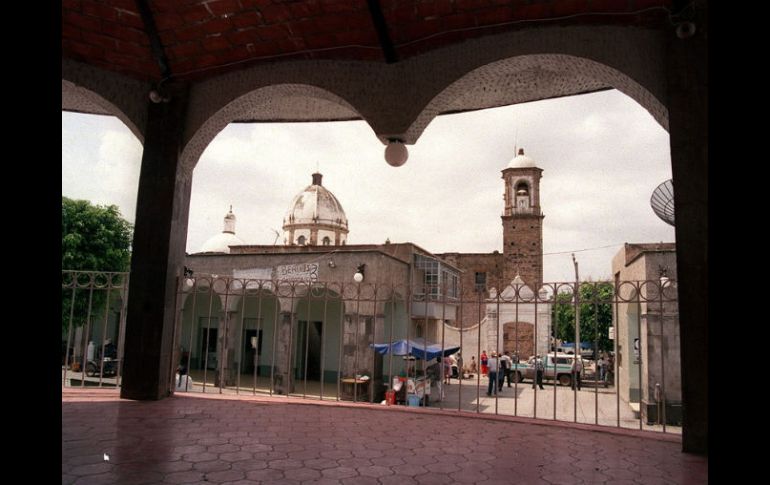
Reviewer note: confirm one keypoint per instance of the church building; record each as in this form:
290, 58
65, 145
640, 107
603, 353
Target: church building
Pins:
310, 309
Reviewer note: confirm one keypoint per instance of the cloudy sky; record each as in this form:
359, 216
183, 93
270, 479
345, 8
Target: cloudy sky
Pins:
602, 155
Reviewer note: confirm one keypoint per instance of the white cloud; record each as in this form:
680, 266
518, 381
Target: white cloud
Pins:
100, 161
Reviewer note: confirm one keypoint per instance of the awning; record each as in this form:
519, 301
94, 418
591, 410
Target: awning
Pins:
420, 349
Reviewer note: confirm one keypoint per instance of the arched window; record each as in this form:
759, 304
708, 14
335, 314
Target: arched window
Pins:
301, 240
522, 196
327, 241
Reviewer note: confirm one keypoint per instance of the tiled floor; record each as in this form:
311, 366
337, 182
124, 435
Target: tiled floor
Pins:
237, 440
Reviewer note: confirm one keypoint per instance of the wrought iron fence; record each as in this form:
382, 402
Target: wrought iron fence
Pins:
386, 344
93, 327
346, 341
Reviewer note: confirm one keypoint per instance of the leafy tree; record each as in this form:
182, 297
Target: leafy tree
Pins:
595, 314
94, 238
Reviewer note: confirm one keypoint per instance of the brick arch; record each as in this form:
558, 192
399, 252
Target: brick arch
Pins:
526, 338
533, 77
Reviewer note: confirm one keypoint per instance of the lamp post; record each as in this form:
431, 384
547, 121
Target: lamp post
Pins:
577, 308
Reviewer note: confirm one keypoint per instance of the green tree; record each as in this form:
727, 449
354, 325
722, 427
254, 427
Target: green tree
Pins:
94, 238
595, 314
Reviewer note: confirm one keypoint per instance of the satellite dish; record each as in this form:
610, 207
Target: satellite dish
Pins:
662, 201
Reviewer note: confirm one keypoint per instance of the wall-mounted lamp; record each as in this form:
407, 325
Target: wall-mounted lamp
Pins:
188, 279
396, 152
331, 264
664, 279
359, 276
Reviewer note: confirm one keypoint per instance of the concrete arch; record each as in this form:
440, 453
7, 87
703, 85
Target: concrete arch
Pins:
243, 101
91, 90
399, 100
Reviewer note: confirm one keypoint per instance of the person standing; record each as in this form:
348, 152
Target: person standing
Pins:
493, 364
577, 371
484, 363
539, 369
460, 368
473, 369
601, 366
508, 365
447, 369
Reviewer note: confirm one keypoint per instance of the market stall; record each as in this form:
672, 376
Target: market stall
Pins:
413, 385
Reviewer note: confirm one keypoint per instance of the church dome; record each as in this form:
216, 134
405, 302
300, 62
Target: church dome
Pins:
521, 161
315, 217
221, 242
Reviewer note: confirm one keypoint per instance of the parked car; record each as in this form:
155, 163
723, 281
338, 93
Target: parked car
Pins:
558, 366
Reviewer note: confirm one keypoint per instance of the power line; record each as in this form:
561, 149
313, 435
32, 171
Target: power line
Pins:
581, 250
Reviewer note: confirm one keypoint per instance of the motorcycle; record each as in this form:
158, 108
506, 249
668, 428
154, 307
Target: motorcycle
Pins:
110, 367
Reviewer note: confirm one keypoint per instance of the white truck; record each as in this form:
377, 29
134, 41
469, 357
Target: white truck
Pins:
557, 366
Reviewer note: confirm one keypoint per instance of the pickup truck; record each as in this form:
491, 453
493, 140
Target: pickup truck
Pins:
557, 366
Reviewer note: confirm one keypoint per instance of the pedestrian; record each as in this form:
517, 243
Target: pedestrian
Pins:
460, 368
493, 364
447, 369
577, 371
539, 369
508, 361
484, 363
473, 368
601, 366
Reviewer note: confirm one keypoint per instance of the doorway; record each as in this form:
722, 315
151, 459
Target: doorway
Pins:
208, 348
250, 354
308, 351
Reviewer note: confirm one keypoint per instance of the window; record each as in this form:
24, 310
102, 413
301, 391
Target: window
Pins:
481, 281
301, 240
327, 241
436, 277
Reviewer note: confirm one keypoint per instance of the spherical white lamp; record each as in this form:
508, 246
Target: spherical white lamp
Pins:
359, 276
396, 153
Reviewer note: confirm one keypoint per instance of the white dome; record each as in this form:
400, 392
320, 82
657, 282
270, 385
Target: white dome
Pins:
221, 242
521, 161
315, 206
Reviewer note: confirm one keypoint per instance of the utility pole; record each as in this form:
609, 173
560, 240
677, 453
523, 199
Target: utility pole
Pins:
577, 309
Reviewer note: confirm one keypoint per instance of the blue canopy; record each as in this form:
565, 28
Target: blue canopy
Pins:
583, 345
420, 349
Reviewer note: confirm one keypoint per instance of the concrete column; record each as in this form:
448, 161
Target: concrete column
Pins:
687, 76
284, 380
158, 247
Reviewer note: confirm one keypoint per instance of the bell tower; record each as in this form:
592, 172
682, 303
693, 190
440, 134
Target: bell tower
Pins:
523, 222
